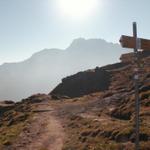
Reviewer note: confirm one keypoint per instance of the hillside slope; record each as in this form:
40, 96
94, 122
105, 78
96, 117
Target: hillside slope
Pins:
90, 118
105, 120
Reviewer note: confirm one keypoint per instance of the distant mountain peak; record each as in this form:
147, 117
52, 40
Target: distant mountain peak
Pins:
82, 43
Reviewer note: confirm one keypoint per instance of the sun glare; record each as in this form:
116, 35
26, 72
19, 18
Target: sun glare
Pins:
77, 9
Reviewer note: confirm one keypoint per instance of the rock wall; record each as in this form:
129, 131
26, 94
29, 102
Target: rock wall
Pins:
83, 83
98, 79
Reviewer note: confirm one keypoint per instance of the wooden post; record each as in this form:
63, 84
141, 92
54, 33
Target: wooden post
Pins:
144, 45
136, 82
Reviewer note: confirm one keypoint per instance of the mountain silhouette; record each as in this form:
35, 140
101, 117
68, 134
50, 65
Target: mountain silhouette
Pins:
45, 69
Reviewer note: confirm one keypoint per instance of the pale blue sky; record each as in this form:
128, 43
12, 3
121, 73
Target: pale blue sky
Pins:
27, 26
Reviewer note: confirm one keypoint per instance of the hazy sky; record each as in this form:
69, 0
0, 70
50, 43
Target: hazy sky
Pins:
27, 26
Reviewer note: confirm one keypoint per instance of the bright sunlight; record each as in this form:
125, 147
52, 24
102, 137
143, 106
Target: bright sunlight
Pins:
77, 9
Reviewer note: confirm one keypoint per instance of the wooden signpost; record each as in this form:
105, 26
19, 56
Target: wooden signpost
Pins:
137, 44
130, 42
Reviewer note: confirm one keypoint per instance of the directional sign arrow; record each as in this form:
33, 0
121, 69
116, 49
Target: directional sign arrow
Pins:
130, 42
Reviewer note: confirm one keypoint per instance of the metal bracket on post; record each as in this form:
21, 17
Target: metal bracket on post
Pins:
138, 43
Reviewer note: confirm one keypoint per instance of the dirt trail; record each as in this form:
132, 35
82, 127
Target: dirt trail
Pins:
44, 132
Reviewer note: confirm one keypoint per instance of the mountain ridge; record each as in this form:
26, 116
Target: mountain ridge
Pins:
74, 42
19, 80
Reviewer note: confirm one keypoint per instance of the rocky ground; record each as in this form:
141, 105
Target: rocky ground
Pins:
88, 118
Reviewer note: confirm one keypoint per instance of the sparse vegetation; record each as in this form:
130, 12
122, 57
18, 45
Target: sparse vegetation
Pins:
104, 120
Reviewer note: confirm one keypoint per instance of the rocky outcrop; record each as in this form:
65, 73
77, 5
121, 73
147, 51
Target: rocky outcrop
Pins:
83, 83
6, 106
100, 79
